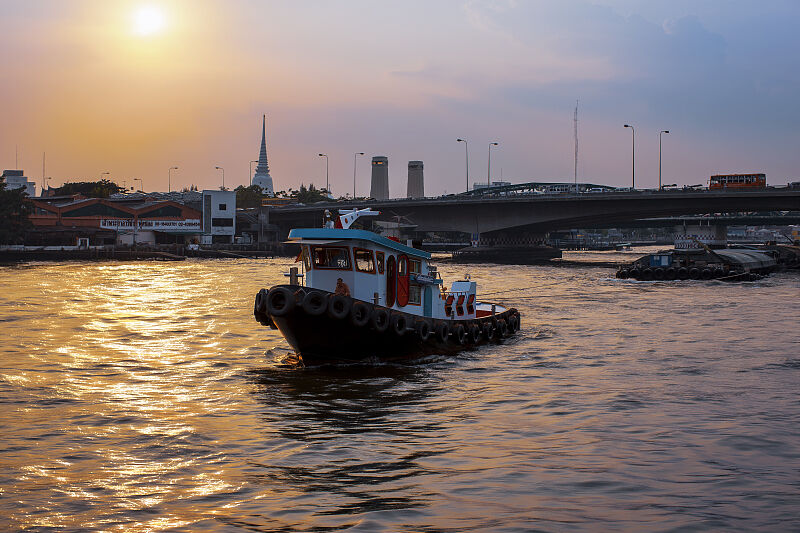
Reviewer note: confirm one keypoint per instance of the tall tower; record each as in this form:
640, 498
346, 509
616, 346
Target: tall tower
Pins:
262, 177
379, 188
416, 184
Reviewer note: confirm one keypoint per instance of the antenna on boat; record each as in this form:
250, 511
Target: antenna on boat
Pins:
348, 216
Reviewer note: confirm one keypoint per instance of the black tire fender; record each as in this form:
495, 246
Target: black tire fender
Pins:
442, 332
460, 334
261, 302
399, 324
488, 330
380, 319
474, 333
315, 303
280, 301
502, 328
513, 324
360, 313
339, 306
423, 329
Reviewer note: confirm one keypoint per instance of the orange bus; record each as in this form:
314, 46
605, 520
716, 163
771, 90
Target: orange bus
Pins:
738, 181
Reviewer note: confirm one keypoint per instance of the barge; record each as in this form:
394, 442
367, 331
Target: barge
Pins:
701, 264
362, 296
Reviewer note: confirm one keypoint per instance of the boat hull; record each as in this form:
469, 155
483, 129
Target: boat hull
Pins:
325, 339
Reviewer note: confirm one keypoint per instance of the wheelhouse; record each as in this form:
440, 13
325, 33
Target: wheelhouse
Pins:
381, 271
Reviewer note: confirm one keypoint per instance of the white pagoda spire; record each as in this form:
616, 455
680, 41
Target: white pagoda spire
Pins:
262, 177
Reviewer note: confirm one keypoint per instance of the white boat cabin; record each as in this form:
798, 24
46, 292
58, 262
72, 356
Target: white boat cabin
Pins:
381, 271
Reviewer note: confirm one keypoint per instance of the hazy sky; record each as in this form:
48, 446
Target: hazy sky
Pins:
105, 86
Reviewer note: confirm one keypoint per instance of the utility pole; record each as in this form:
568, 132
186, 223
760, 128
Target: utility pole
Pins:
576, 146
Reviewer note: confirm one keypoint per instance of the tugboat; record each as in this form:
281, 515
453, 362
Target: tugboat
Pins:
369, 297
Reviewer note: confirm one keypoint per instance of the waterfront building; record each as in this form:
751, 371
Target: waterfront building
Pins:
61, 220
379, 187
15, 179
261, 176
416, 184
219, 216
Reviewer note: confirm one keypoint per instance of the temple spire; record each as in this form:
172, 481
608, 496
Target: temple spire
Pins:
262, 177
263, 165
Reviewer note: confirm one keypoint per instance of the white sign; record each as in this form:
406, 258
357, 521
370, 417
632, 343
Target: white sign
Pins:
690, 237
191, 224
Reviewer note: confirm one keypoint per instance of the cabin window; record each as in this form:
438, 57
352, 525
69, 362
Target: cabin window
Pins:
331, 257
414, 266
363, 260
414, 294
306, 258
379, 257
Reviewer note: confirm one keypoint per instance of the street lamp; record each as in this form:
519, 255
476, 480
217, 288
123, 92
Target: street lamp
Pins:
251, 171
223, 178
141, 183
659, 157
354, 172
327, 184
489, 170
633, 156
169, 178
466, 155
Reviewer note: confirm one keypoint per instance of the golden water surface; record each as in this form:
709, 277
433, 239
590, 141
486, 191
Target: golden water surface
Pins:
143, 396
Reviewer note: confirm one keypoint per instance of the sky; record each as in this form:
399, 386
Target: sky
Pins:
134, 87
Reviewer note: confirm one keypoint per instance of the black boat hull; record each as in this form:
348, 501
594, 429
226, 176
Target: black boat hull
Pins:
325, 339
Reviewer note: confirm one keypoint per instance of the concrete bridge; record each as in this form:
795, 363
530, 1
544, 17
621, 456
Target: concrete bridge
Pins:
541, 213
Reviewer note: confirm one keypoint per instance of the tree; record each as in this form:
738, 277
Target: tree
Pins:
249, 196
91, 189
306, 196
14, 211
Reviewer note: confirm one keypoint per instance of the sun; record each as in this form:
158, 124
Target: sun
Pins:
148, 20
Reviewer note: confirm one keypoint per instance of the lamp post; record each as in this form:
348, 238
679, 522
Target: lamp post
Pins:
169, 178
251, 171
327, 184
141, 183
489, 169
354, 172
633, 156
659, 157
223, 178
466, 155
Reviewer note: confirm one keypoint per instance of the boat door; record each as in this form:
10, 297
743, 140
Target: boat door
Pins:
391, 280
402, 280
427, 307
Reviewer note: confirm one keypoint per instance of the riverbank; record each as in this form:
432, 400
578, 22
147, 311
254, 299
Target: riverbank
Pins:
167, 253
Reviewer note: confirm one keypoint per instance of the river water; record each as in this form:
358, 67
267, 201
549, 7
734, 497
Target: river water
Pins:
144, 397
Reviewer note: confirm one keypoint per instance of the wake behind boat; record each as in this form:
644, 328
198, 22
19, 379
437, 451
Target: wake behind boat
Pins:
367, 296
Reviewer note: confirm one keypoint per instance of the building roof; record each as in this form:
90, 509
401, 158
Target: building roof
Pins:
337, 234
